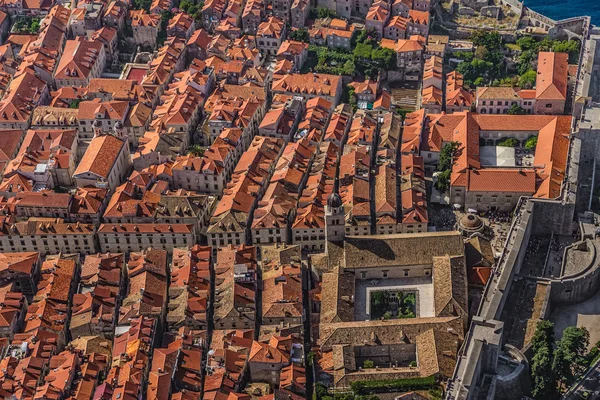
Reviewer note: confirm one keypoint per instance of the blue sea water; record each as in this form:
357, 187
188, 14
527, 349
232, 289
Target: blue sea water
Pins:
561, 9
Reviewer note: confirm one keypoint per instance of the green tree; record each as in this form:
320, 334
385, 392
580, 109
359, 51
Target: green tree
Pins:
323, 12
527, 80
525, 61
348, 68
443, 181
508, 142
321, 391
403, 113
384, 57
196, 150
543, 335
300, 35
368, 364
387, 315
491, 40
449, 151
378, 298
542, 375
569, 356
527, 43
363, 51
142, 4
543, 379
34, 27
185, 5
352, 98
165, 16
479, 82
531, 142
515, 109
568, 46
409, 300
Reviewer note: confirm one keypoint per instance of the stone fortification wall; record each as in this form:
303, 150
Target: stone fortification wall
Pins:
580, 286
513, 385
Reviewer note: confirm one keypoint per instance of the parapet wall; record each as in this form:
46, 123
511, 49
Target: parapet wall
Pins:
515, 5
579, 287
513, 385
538, 20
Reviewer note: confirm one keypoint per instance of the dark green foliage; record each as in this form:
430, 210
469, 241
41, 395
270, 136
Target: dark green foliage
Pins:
349, 97
392, 385
530, 47
568, 46
402, 113
320, 390
322, 12
363, 51
543, 379
488, 61
527, 43
531, 142
300, 35
193, 9
527, 80
196, 150
508, 142
142, 4
569, 356
544, 383
516, 110
368, 364
449, 151
491, 40
385, 305
367, 58
443, 181
447, 155
26, 25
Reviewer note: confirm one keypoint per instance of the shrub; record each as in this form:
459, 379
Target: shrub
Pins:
527, 79
392, 385
443, 181
531, 142
413, 364
368, 364
508, 142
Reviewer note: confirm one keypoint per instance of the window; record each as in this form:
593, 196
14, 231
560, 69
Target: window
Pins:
405, 272
385, 274
478, 199
548, 105
363, 274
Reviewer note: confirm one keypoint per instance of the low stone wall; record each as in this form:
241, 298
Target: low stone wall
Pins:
515, 5
513, 385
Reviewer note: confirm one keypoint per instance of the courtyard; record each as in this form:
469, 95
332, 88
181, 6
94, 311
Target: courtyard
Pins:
420, 289
503, 156
585, 314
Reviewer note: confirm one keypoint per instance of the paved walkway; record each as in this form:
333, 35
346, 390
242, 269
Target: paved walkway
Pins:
422, 286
